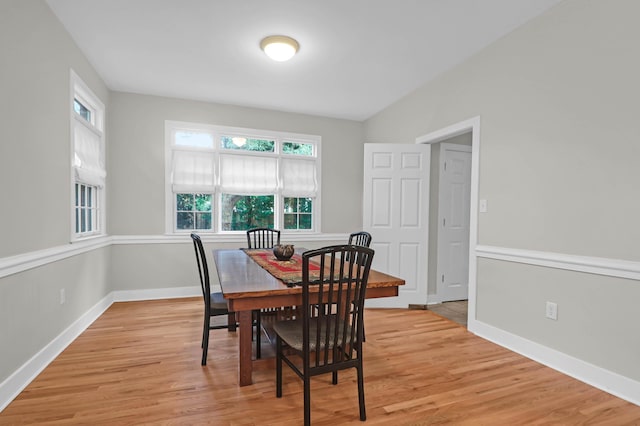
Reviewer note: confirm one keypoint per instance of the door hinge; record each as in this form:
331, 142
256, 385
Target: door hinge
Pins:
444, 222
445, 166
442, 277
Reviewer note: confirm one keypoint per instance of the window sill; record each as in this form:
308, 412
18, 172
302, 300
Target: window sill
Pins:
239, 239
78, 239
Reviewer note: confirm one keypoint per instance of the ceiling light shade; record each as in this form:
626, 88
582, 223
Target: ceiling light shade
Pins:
279, 48
239, 141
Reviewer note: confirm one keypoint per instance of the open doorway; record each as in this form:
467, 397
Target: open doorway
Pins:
449, 227
452, 267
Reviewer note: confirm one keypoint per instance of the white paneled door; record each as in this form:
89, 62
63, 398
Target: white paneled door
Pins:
453, 216
396, 213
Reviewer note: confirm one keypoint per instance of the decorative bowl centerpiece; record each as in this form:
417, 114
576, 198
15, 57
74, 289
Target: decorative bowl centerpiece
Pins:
283, 251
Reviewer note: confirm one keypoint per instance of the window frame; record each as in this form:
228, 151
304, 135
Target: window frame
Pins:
217, 132
96, 125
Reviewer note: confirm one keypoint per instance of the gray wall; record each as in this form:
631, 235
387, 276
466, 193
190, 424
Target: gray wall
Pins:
136, 180
36, 54
558, 101
136, 158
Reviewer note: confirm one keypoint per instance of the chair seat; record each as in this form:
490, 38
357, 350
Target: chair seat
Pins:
218, 302
291, 332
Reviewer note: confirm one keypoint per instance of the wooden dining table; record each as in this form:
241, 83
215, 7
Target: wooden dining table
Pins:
248, 286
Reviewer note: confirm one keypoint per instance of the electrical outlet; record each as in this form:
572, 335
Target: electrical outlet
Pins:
552, 311
63, 296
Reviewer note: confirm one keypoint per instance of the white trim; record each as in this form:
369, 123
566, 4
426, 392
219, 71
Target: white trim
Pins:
236, 238
608, 381
16, 382
472, 125
155, 294
22, 262
592, 265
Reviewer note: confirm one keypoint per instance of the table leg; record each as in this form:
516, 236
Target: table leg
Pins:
231, 321
245, 349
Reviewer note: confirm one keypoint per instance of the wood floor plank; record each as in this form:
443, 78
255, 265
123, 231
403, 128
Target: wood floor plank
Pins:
139, 363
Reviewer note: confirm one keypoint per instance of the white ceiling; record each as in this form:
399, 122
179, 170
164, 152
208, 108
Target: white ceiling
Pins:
356, 56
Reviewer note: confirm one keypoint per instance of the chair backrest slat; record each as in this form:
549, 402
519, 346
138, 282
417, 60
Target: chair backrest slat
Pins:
262, 238
361, 238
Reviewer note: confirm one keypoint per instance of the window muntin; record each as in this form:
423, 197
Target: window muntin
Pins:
248, 178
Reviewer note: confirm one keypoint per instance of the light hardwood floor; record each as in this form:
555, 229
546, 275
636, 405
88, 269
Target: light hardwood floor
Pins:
140, 364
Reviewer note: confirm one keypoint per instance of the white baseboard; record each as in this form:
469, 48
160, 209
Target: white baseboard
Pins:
155, 294
20, 379
15, 383
606, 380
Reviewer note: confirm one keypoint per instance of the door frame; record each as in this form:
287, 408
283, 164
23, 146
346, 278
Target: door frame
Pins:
440, 252
471, 125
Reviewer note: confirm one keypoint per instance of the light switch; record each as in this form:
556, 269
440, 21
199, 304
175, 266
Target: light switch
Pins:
483, 206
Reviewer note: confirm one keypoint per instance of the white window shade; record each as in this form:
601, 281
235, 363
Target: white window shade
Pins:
88, 160
299, 178
248, 175
192, 171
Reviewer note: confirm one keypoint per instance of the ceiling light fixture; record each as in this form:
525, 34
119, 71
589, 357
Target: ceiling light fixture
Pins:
279, 48
238, 141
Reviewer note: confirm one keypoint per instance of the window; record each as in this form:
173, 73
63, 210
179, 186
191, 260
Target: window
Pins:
193, 211
82, 110
298, 213
86, 208
88, 164
222, 179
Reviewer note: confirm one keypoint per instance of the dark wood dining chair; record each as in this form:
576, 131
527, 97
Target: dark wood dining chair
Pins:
322, 341
361, 238
262, 237
214, 303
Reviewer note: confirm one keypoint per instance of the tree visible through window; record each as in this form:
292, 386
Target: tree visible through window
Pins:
240, 213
